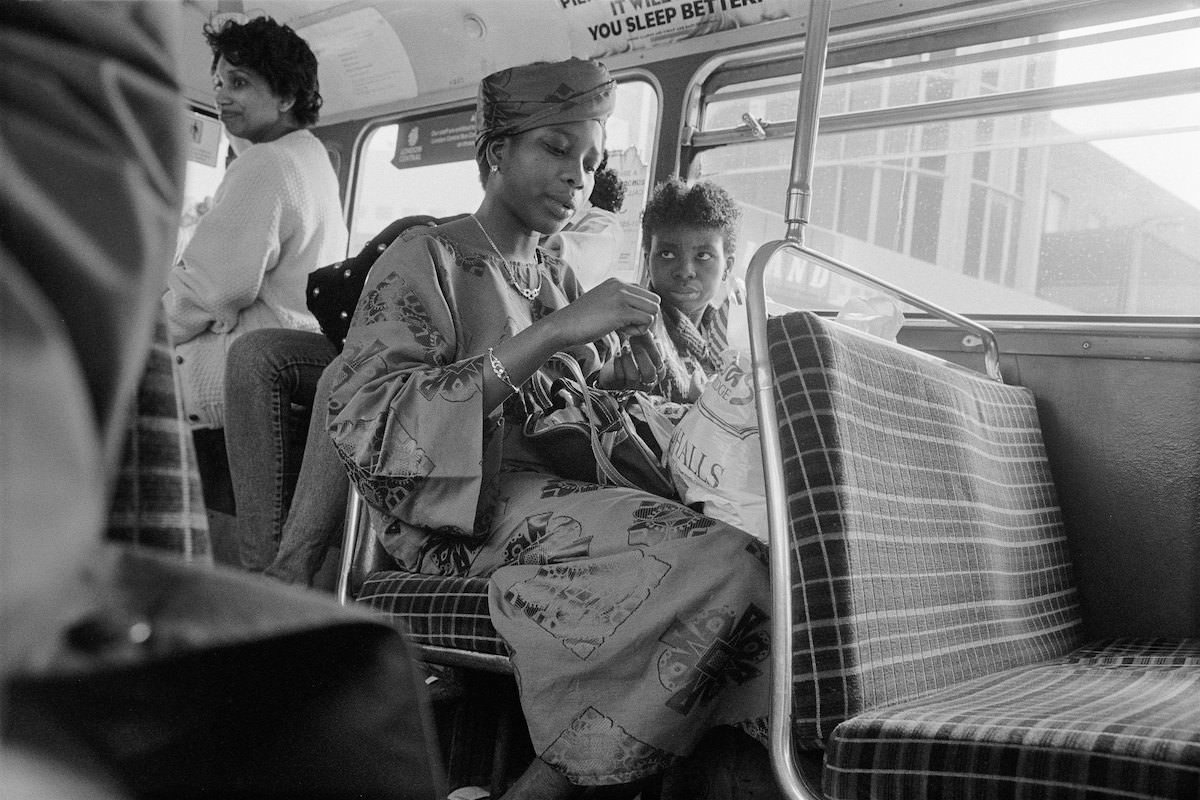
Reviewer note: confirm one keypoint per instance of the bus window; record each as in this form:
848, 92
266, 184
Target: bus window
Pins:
426, 165
207, 145
1051, 173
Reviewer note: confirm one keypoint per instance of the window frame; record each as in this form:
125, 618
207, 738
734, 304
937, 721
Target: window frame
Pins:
743, 74
634, 200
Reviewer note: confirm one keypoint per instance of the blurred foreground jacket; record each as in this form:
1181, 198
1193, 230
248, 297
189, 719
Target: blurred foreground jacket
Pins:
134, 668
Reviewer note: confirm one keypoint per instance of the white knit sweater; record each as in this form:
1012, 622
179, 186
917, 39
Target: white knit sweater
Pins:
275, 217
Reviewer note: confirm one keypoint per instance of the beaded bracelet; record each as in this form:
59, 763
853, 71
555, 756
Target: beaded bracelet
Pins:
501, 372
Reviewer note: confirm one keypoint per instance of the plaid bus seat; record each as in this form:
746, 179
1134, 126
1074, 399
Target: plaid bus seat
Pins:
936, 624
1126, 652
1090, 729
158, 501
436, 611
446, 617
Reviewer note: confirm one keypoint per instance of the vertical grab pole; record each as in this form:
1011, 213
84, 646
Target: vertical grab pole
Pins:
795, 785
812, 77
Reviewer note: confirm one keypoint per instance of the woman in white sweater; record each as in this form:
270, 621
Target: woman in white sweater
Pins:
275, 217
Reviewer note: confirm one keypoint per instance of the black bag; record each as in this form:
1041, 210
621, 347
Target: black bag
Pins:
600, 436
333, 291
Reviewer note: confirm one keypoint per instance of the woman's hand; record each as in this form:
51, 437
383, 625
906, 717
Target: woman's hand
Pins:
638, 365
614, 305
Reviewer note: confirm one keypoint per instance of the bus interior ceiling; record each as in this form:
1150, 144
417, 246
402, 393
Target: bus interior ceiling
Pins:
1117, 394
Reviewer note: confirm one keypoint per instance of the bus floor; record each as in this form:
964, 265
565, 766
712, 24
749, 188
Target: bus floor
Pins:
474, 711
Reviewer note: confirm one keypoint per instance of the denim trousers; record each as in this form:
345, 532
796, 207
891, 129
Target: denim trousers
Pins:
290, 491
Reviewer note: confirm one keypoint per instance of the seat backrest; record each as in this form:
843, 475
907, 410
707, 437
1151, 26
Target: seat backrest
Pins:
926, 535
158, 501
333, 291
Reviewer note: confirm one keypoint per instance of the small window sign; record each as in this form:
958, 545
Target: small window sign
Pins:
437, 140
203, 138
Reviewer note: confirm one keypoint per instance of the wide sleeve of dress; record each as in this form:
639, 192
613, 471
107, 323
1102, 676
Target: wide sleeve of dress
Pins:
406, 411
235, 243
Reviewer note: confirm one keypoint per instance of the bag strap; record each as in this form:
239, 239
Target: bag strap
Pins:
602, 445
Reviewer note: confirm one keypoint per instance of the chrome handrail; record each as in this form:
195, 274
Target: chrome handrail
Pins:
794, 783
754, 280
356, 510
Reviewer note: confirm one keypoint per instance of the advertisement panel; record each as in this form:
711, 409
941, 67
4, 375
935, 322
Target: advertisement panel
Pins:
601, 28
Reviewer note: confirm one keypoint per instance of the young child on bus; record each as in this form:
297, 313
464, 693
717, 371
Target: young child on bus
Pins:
689, 237
620, 616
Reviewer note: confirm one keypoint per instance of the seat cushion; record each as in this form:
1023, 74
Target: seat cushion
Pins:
1112, 720
436, 610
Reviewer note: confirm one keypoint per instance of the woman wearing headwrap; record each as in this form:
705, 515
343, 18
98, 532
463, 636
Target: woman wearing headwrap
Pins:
636, 624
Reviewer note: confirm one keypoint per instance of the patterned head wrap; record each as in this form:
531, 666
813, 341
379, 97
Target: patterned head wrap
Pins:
519, 99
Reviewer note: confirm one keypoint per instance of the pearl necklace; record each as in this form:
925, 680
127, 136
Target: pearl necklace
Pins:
526, 292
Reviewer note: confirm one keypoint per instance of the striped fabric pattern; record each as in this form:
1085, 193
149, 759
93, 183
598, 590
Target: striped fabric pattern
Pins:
436, 610
158, 501
1102, 728
927, 540
1128, 652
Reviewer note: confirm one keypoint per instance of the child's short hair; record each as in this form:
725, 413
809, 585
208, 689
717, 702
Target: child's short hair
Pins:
702, 205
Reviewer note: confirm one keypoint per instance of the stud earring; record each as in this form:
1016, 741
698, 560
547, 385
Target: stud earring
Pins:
494, 169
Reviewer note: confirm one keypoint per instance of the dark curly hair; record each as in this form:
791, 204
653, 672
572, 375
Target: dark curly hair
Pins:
277, 53
701, 205
608, 192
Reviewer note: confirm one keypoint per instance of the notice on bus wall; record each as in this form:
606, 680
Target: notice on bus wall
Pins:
204, 139
362, 61
439, 140
633, 171
601, 28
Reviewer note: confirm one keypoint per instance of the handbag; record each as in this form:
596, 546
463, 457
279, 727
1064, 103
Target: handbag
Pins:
614, 438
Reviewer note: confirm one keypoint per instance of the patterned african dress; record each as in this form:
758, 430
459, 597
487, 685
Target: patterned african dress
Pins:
636, 624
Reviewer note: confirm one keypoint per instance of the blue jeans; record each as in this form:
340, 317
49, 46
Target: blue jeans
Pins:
291, 497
